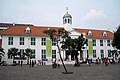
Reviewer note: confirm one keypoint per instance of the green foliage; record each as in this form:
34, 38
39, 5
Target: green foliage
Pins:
69, 44
28, 52
13, 51
116, 40
75, 44
50, 32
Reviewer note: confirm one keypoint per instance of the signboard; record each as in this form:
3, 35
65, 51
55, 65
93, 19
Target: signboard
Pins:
48, 47
90, 47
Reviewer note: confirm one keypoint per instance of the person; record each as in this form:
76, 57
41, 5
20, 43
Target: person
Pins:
19, 62
58, 63
99, 60
54, 64
32, 63
106, 61
96, 61
113, 61
89, 62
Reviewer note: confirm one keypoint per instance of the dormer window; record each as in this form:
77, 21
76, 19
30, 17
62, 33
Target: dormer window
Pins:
27, 30
89, 33
104, 34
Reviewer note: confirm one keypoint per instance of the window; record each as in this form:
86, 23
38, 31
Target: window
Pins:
43, 41
68, 20
27, 30
102, 53
22, 53
9, 55
21, 40
10, 40
43, 54
104, 34
65, 20
53, 53
101, 42
94, 42
32, 41
94, 53
109, 53
108, 42
33, 54
89, 33
54, 42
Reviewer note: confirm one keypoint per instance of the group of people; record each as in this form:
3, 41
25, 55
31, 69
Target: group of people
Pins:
55, 64
32, 63
105, 60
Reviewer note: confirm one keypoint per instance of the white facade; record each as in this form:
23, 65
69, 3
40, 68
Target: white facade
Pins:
38, 47
101, 49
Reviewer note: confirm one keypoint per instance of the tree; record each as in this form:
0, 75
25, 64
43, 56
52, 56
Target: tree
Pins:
116, 40
13, 52
114, 53
1, 53
66, 45
58, 37
74, 45
28, 53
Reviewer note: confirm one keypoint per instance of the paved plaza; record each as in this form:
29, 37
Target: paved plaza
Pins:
45, 72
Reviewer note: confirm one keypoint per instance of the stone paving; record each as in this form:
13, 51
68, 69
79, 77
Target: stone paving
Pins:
45, 72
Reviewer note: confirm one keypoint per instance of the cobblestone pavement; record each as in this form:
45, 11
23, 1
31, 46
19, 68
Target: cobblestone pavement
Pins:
84, 72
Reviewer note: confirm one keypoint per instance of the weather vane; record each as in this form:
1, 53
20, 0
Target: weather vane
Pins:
67, 9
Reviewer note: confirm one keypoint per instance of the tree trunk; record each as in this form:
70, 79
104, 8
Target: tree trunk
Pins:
61, 57
28, 60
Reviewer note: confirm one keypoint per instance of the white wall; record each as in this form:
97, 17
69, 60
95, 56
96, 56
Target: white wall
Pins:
38, 47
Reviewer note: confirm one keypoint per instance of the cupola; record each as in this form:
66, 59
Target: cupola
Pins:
67, 18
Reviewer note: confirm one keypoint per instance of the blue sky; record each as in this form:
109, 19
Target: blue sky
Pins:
92, 14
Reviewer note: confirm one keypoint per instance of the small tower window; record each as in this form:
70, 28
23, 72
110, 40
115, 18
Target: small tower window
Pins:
89, 33
104, 34
65, 20
68, 20
27, 30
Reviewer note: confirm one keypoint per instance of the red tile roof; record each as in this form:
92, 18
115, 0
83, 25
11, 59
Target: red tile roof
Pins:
38, 31
97, 33
20, 30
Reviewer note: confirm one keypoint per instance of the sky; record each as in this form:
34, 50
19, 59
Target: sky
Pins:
92, 14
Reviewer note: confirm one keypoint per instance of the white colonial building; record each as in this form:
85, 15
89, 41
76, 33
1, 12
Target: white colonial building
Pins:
30, 36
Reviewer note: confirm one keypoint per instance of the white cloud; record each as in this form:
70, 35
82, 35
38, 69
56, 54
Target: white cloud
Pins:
95, 19
95, 14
